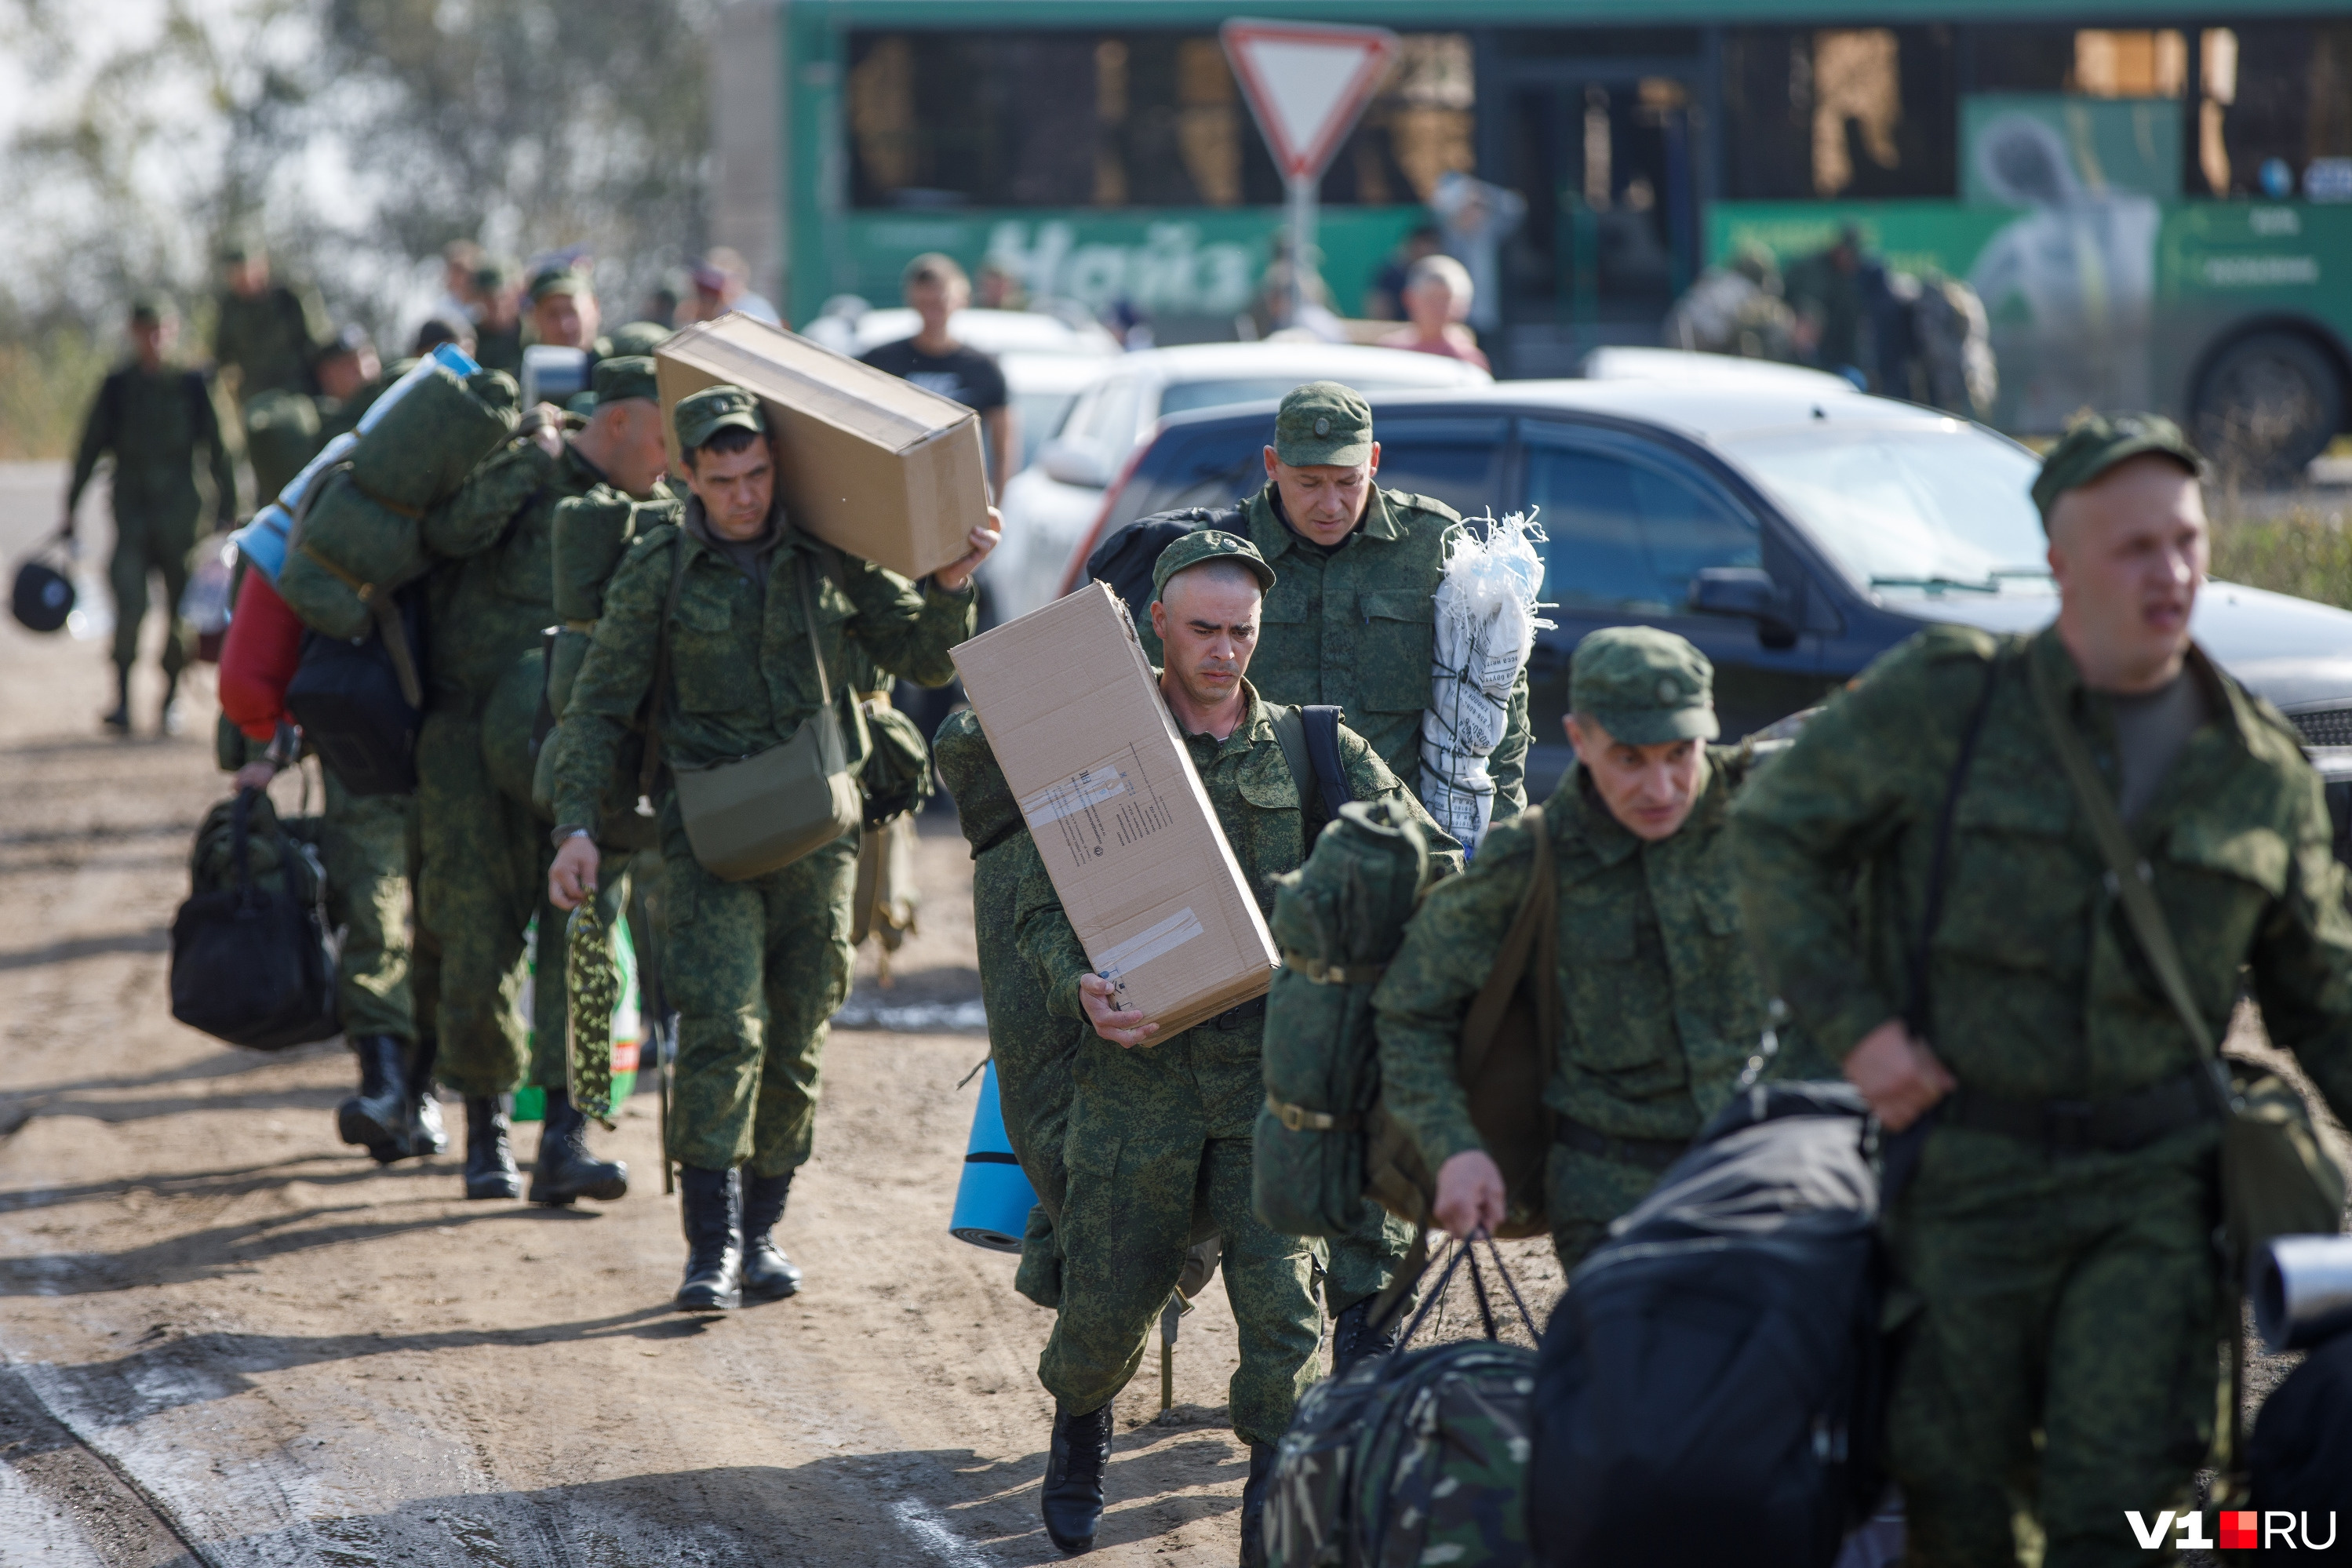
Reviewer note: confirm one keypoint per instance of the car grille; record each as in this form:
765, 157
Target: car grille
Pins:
2325, 726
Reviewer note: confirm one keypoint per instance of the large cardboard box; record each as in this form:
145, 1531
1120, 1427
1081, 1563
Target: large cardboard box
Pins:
870, 464
1070, 707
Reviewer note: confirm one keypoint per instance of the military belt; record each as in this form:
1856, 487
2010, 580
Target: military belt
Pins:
2114, 1124
1233, 1018
1324, 974
1650, 1154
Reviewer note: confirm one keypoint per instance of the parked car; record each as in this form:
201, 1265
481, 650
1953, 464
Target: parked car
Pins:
1793, 538
1688, 367
1051, 503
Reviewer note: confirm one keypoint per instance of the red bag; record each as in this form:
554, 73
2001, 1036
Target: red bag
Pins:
258, 661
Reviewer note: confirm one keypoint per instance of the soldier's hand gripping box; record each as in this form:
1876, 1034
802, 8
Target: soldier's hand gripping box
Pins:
1071, 708
870, 464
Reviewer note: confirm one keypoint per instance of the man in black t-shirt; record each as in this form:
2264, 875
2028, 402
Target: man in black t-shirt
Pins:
936, 289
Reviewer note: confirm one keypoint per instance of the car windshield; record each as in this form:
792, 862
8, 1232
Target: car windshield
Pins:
1934, 510
1180, 397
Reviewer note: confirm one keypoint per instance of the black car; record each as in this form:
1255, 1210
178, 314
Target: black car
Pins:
1792, 532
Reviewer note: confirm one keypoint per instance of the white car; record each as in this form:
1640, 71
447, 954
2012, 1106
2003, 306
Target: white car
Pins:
1050, 505
1684, 367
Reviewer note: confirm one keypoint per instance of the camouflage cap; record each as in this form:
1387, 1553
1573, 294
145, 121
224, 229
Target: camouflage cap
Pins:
2099, 443
154, 307
640, 337
1643, 686
713, 409
1206, 545
1323, 422
557, 281
629, 376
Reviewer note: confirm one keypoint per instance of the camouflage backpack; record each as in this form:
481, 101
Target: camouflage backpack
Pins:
1412, 1458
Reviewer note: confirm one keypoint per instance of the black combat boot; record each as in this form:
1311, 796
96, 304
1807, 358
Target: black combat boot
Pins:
767, 1272
1072, 1498
119, 721
1353, 1339
490, 1163
565, 1169
425, 1134
376, 1118
709, 1203
1254, 1490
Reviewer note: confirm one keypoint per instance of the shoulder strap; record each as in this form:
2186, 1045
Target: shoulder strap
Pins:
1915, 1015
1322, 723
650, 765
2128, 873
1528, 941
1290, 729
808, 616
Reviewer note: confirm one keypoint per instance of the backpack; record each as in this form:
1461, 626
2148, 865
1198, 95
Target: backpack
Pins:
1713, 1374
1125, 559
361, 703
252, 962
1412, 1457
1322, 1141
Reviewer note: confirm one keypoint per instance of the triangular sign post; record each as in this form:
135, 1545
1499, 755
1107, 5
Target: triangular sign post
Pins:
1307, 84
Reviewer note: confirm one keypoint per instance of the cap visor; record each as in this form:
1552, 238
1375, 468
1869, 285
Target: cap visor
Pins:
1323, 453
1655, 727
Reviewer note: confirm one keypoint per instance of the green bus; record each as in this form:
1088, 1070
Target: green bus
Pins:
2155, 206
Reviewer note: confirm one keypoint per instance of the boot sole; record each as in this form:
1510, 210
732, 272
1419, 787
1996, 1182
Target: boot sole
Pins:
603, 1192
723, 1304
778, 1291
509, 1190
356, 1128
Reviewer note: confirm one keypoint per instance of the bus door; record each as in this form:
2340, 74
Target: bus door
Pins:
1606, 160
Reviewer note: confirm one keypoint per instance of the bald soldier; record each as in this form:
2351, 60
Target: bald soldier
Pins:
2058, 1234
1661, 1009
1351, 624
1156, 1121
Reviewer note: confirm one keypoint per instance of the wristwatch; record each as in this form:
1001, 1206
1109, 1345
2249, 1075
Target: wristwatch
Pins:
563, 836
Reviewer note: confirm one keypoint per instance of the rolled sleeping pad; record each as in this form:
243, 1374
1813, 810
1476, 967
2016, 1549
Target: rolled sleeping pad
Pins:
2303, 1291
259, 657
994, 1200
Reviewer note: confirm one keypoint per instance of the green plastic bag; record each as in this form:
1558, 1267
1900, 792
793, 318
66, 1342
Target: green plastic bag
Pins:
1339, 920
626, 1028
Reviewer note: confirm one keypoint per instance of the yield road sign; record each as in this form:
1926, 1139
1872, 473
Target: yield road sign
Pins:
1306, 84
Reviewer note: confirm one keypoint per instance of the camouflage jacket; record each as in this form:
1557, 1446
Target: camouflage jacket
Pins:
1258, 806
1661, 1005
1356, 627
488, 609
741, 675
271, 338
157, 427
2036, 989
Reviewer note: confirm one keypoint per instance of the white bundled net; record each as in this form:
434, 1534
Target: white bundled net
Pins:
1487, 609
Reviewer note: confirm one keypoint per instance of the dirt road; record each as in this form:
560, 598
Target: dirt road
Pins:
228, 1339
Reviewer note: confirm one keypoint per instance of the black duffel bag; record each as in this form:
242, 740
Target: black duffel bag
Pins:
361, 703
252, 962
1710, 1386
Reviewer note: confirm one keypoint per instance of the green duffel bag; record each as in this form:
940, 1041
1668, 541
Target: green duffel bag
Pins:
619, 824
281, 434
1339, 920
348, 551
508, 718
588, 537
421, 449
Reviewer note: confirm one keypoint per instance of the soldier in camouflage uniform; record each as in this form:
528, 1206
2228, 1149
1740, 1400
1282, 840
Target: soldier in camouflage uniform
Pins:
158, 422
485, 853
1351, 624
267, 335
1661, 1008
1149, 1127
755, 967
2058, 1231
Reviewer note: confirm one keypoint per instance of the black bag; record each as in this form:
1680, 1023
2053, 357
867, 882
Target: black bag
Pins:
252, 962
2302, 1449
1709, 1389
41, 597
1126, 559
362, 704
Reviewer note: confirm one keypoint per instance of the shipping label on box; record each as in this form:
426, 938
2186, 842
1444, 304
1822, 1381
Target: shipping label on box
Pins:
1074, 716
870, 464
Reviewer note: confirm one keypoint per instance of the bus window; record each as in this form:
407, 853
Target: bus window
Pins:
2274, 96
1852, 113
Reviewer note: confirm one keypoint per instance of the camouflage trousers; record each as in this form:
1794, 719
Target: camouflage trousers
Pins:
754, 969
483, 877
1152, 1132
1583, 1193
149, 543
363, 840
2061, 1367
